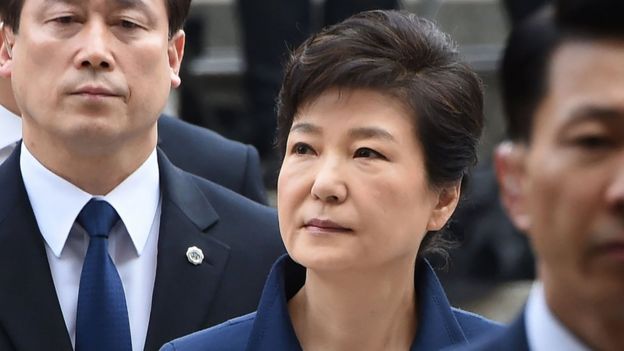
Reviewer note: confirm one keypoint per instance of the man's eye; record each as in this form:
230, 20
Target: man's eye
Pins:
592, 142
64, 19
368, 153
128, 24
302, 149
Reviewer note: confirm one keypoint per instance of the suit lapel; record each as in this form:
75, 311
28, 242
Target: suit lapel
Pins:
183, 291
30, 314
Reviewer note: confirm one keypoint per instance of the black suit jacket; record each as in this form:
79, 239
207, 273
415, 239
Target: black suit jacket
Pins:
211, 156
239, 238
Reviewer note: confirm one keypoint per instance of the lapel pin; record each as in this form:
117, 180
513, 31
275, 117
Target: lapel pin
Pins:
195, 255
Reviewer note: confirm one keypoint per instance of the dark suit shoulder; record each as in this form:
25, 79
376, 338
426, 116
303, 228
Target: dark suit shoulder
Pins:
228, 336
211, 156
232, 205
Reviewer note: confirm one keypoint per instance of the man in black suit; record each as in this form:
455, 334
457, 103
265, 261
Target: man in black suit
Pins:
562, 174
91, 78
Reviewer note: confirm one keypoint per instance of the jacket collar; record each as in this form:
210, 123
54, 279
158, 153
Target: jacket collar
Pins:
437, 325
273, 329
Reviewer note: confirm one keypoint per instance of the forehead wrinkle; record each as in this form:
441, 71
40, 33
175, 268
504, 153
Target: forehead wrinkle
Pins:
71, 2
116, 3
128, 3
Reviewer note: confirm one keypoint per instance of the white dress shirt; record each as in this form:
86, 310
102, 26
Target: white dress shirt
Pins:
10, 132
132, 242
544, 331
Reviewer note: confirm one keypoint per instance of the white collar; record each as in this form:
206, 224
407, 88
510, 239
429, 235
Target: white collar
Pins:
56, 202
10, 127
544, 331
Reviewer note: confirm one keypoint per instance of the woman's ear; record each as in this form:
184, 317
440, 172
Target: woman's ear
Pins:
448, 197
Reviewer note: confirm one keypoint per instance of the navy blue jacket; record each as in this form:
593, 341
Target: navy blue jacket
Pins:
511, 338
270, 328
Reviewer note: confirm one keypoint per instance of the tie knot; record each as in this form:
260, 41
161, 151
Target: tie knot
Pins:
98, 218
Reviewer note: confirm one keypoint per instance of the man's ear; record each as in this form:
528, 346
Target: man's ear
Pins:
7, 38
176, 53
448, 197
509, 163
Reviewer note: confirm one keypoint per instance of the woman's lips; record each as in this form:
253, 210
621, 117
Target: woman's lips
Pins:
325, 226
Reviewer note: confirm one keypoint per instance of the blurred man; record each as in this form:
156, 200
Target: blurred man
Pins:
104, 244
562, 174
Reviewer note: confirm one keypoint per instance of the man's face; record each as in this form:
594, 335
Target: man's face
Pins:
572, 177
92, 72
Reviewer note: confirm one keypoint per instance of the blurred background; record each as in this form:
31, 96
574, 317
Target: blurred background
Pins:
231, 74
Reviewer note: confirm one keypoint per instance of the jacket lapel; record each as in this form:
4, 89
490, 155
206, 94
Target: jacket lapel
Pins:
440, 327
183, 291
30, 314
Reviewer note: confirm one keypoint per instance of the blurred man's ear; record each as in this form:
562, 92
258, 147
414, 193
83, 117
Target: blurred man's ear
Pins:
509, 165
6, 50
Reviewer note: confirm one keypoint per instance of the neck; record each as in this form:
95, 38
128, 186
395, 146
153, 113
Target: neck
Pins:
597, 324
6, 97
96, 169
364, 310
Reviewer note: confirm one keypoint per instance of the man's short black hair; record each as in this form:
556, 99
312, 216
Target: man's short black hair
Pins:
526, 62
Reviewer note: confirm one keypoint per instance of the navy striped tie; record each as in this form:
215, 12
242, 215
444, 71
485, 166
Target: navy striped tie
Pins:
102, 317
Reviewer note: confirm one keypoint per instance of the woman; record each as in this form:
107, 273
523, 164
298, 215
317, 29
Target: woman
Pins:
379, 123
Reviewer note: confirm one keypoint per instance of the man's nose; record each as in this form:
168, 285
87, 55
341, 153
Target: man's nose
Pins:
95, 47
329, 183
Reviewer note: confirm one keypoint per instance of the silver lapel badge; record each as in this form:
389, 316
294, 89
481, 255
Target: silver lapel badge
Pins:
195, 255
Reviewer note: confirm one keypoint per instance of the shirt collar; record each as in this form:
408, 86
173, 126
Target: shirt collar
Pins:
10, 127
544, 331
56, 202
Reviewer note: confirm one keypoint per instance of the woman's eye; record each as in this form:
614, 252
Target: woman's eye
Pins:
368, 153
302, 149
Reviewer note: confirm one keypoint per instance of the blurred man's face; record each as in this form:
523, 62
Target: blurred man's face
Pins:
572, 177
92, 72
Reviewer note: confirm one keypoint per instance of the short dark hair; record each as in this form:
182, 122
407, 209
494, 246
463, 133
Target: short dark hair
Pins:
177, 10
530, 46
401, 55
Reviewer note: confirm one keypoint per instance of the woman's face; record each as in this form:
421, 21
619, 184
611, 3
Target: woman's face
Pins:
353, 191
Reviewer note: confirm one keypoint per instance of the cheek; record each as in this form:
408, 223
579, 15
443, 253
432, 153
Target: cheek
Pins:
562, 206
399, 202
148, 64
291, 192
